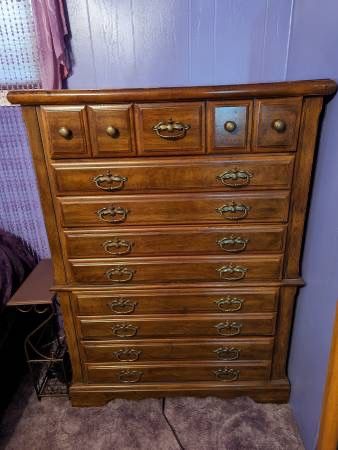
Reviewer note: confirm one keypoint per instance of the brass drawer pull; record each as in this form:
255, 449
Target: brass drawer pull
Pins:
112, 132
230, 126
113, 214
233, 211
124, 330
279, 125
229, 304
122, 306
232, 273
130, 376
110, 182
235, 177
171, 130
120, 274
227, 353
65, 132
117, 244
226, 374
233, 244
228, 328
127, 354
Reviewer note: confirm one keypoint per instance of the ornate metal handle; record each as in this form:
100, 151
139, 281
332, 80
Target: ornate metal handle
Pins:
112, 132
226, 374
229, 304
65, 132
235, 272
124, 330
230, 126
233, 211
228, 328
279, 125
110, 182
232, 240
113, 214
130, 376
227, 353
116, 243
122, 274
235, 177
122, 306
171, 130
127, 354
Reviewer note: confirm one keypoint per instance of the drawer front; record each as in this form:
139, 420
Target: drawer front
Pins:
163, 175
64, 131
175, 241
176, 270
229, 126
177, 372
170, 128
173, 350
277, 124
175, 209
201, 300
111, 130
177, 326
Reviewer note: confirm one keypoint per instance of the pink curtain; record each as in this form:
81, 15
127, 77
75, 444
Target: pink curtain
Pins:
51, 30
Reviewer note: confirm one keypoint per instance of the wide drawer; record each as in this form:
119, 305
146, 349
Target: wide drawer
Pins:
176, 269
175, 372
192, 301
160, 175
175, 209
183, 240
177, 326
175, 350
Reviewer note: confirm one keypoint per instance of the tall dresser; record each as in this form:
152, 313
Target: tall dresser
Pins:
175, 218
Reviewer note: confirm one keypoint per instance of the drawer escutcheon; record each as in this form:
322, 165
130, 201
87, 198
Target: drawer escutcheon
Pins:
120, 274
110, 182
227, 353
226, 374
233, 211
232, 272
130, 376
122, 306
228, 328
235, 177
226, 243
116, 243
127, 354
175, 130
112, 214
229, 304
124, 330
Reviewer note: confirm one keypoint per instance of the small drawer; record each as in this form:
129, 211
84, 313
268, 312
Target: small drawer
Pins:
276, 124
177, 209
178, 174
176, 269
176, 301
222, 373
64, 131
111, 130
170, 128
179, 240
176, 350
228, 325
229, 126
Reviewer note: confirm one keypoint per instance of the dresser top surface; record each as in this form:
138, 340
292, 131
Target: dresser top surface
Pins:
322, 87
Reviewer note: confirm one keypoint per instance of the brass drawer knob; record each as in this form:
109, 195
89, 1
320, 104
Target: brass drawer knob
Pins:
235, 177
127, 354
232, 272
124, 330
65, 132
233, 211
230, 126
122, 306
227, 353
279, 125
113, 132
171, 130
117, 246
112, 214
120, 274
229, 304
110, 182
130, 376
228, 328
233, 244
226, 374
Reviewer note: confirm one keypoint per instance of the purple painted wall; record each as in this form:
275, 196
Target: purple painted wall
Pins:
314, 54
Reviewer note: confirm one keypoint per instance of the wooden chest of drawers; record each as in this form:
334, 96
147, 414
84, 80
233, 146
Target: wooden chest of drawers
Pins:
175, 218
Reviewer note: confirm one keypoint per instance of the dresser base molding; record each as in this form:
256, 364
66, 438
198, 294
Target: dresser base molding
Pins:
276, 391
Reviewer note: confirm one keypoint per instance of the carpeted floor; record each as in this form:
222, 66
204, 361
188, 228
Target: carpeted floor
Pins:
173, 424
